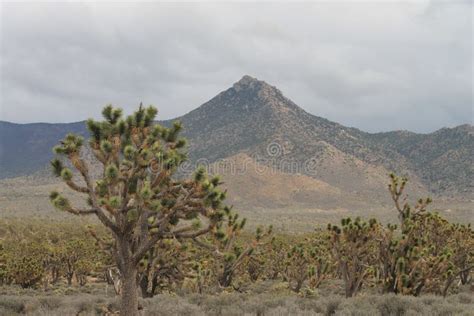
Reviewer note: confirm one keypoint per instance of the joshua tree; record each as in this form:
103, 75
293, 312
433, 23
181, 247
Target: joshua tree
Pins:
308, 261
166, 266
461, 242
274, 256
77, 257
24, 263
298, 266
137, 196
420, 256
353, 248
224, 248
405, 211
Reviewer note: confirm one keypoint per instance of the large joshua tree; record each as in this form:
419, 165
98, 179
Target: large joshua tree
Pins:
137, 195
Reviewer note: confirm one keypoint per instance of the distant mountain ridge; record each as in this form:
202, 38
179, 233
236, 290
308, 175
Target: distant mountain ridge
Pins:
26, 148
255, 119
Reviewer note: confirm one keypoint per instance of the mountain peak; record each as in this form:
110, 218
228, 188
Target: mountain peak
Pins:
248, 82
246, 79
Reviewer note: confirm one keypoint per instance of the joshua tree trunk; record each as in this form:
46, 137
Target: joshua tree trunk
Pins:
465, 276
69, 278
128, 270
298, 285
147, 286
226, 277
129, 304
353, 281
447, 285
55, 276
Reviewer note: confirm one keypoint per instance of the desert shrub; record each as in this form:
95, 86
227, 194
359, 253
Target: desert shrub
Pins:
392, 305
332, 306
12, 304
358, 306
449, 310
165, 305
316, 305
242, 304
429, 299
261, 304
50, 302
463, 298
83, 306
290, 310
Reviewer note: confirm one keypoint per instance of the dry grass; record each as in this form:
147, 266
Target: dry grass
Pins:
264, 299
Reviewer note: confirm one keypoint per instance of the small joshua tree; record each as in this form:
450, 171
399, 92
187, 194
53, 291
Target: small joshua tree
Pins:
352, 248
166, 266
24, 263
461, 242
69, 258
298, 266
308, 261
136, 195
224, 247
274, 256
416, 259
322, 265
419, 256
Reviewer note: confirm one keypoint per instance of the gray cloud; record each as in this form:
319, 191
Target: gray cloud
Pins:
373, 65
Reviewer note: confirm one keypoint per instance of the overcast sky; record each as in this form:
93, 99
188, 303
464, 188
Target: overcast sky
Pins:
373, 65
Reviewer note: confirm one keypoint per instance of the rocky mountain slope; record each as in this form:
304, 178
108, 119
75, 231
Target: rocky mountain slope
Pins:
443, 159
256, 123
255, 118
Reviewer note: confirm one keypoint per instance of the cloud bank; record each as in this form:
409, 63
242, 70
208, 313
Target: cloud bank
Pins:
373, 65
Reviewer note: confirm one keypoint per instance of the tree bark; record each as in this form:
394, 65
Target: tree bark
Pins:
144, 285
298, 285
226, 278
69, 278
129, 303
128, 271
447, 285
464, 275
